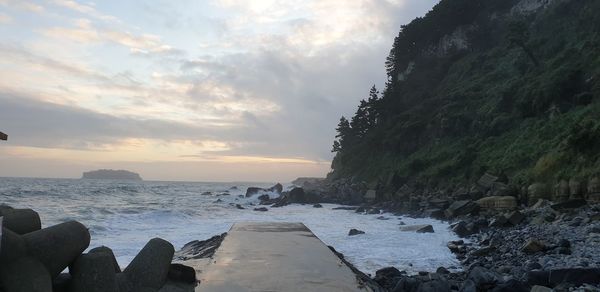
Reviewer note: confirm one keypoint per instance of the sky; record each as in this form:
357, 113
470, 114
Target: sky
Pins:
214, 90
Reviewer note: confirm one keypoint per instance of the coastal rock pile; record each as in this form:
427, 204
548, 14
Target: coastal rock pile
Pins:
33, 259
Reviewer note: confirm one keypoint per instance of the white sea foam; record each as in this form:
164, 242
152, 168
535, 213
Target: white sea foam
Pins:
125, 215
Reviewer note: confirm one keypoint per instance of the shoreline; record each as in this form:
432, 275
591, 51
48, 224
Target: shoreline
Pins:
541, 237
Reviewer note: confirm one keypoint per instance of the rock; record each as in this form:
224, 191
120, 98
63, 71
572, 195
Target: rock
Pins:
511, 285
486, 181
370, 195
541, 203
25, 274
150, 267
199, 249
538, 288
182, 273
106, 250
439, 203
533, 246
94, 272
253, 191
261, 209
461, 230
297, 195
461, 208
570, 204
264, 197
515, 217
317, 205
238, 206
442, 270
434, 213
277, 188
206, 194
574, 276
576, 189
538, 191
484, 251
426, 228
483, 278
355, 232
438, 285
498, 203
388, 277
561, 192
374, 211
499, 221
57, 246
21, 221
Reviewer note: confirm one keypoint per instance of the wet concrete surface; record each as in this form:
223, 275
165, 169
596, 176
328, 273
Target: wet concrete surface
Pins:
275, 257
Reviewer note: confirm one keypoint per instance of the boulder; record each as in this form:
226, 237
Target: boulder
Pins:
238, 206
264, 197
570, 204
355, 232
317, 205
150, 267
486, 181
498, 203
25, 274
277, 188
461, 229
370, 195
94, 272
574, 276
426, 228
561, 192
511, 285
388, 277
483, 278
499, 221
261, 209
576, 189
253, 191
459, 208
538, 191
12, 246
57, 246
515, 217
538, 288
21, 221
532, 246
297, 195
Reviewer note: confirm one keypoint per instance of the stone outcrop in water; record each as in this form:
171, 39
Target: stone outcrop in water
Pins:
111, 174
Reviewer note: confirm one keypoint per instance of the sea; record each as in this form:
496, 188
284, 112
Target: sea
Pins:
124, 215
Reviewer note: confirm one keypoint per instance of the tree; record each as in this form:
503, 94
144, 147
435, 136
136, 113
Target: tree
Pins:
343, 132
518, 35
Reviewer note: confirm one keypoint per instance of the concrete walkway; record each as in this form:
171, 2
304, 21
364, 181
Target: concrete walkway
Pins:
276, 257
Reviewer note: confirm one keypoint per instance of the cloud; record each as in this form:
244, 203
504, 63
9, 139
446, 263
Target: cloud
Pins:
23, 5
5, 18
249, 81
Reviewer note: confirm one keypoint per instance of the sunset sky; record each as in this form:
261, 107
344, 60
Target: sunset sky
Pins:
214, 90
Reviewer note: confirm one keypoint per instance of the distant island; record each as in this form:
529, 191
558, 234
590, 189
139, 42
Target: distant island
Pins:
111, 174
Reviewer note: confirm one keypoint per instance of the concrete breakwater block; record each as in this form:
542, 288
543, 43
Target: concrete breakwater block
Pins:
20, 221
25, 274
93, 272
12, 247
150, 267
58, 246
107, 250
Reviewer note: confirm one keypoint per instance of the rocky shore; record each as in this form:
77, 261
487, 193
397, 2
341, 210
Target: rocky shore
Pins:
535, 238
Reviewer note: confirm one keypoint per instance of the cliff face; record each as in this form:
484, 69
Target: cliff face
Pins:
111, 174
500, 86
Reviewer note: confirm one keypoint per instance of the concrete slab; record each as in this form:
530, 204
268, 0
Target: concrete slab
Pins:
276, 257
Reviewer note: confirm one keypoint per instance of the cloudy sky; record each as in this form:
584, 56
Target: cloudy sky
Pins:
213, 90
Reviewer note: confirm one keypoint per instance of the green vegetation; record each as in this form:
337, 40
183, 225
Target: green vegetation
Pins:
475, 86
